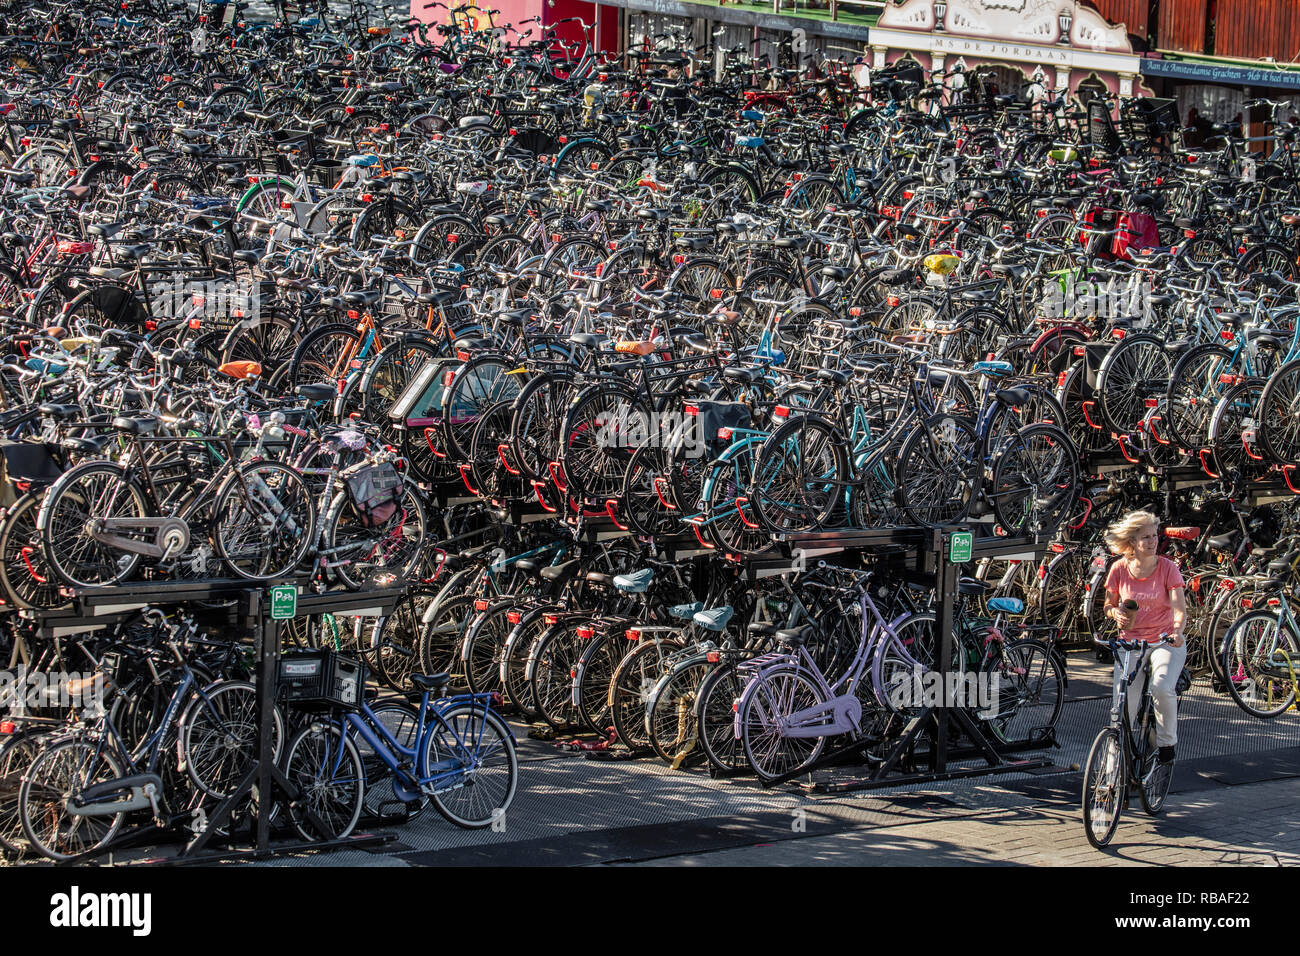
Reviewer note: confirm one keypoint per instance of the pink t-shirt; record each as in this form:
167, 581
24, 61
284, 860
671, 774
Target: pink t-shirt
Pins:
1155, 615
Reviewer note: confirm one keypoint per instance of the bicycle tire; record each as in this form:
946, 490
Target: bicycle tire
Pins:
65, 767
767, 750
1031, 692
91, 490
1247, 646
218, 740
493, 763
331, 785
263, 520
1105, 785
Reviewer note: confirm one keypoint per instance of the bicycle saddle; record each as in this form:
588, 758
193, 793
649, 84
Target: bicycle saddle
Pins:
838, 273
739, 374
686, 611
61, 412
1223, 542
1007, 605
598, 579
895, 277
135, 426
588, 340
560, 573
635, 583
1183, 534
714, 619
796, 636
1015, 397
971, 586
85, 446
433, 683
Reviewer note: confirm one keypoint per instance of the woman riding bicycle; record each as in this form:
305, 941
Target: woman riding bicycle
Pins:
1144, 597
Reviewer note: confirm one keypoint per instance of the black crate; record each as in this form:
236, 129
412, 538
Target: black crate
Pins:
321, 679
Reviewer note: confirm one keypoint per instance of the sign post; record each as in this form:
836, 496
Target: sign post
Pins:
284, 602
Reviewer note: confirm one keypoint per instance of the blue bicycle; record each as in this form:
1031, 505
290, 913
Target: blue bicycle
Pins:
455, 752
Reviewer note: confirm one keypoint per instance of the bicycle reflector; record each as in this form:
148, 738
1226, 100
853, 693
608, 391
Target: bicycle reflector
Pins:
715, 293
586, 633
713, 657
724, 434
480, 605
632, 634
691, 409
7, 727
1227, 584
514, 617
550, 620
781, 411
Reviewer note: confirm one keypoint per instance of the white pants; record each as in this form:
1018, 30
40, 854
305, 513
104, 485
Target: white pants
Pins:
1165, 664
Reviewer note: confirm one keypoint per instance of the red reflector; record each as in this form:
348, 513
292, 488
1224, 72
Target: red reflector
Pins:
1227, 379
632, 634
1227, 335
550, 620
462, 355
781, 411
353, 314
586, 633
480, 605
514, 617
1151, 403
195, 324
1272, 602
1189, 233
855, 311
1118, 333
1058, 548
692, 409
724, 434
1227, 585
713, 657
715, 293
595, 166
150, 325
678, 259
1060, 379
907, 194
1247, 603
7, 727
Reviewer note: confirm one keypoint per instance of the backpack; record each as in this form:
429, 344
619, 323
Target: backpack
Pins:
375, 490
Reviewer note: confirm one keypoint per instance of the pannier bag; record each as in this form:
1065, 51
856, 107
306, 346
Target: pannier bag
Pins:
376, 491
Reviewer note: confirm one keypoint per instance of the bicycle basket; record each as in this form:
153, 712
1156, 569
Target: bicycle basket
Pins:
375, 490
321, 678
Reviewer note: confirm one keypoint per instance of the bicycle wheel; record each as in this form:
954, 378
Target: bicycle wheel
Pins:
487, 639
594, 671
798, 476
1194, 390
1136, 369
93, 491
1029, 693
63, 769
441, 637
598, 437
933, 472
355, 550
1035, 480
396, 655
717, 721
323, 355
551, 676
1259, 683
325, 766
263, 520
672, 717
17, 754
767, 749
220, 738
1104, 786
473, 755
390, 373
25, 579
630, 686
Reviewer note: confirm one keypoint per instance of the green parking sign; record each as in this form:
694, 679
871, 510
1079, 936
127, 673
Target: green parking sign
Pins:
960, 545
284, 602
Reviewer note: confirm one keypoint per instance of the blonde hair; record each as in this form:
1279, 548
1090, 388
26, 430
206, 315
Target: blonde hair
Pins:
1119, 536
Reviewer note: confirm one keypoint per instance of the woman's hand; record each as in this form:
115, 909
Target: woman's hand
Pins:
1122, 617
1176, 639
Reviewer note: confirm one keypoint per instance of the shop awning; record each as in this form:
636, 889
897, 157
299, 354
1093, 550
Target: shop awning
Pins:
1211, 70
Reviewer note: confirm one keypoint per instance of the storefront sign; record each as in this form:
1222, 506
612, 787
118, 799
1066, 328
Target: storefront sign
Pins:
967, 46
1218, 73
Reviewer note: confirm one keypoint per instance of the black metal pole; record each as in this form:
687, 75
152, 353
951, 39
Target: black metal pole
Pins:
945, 585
